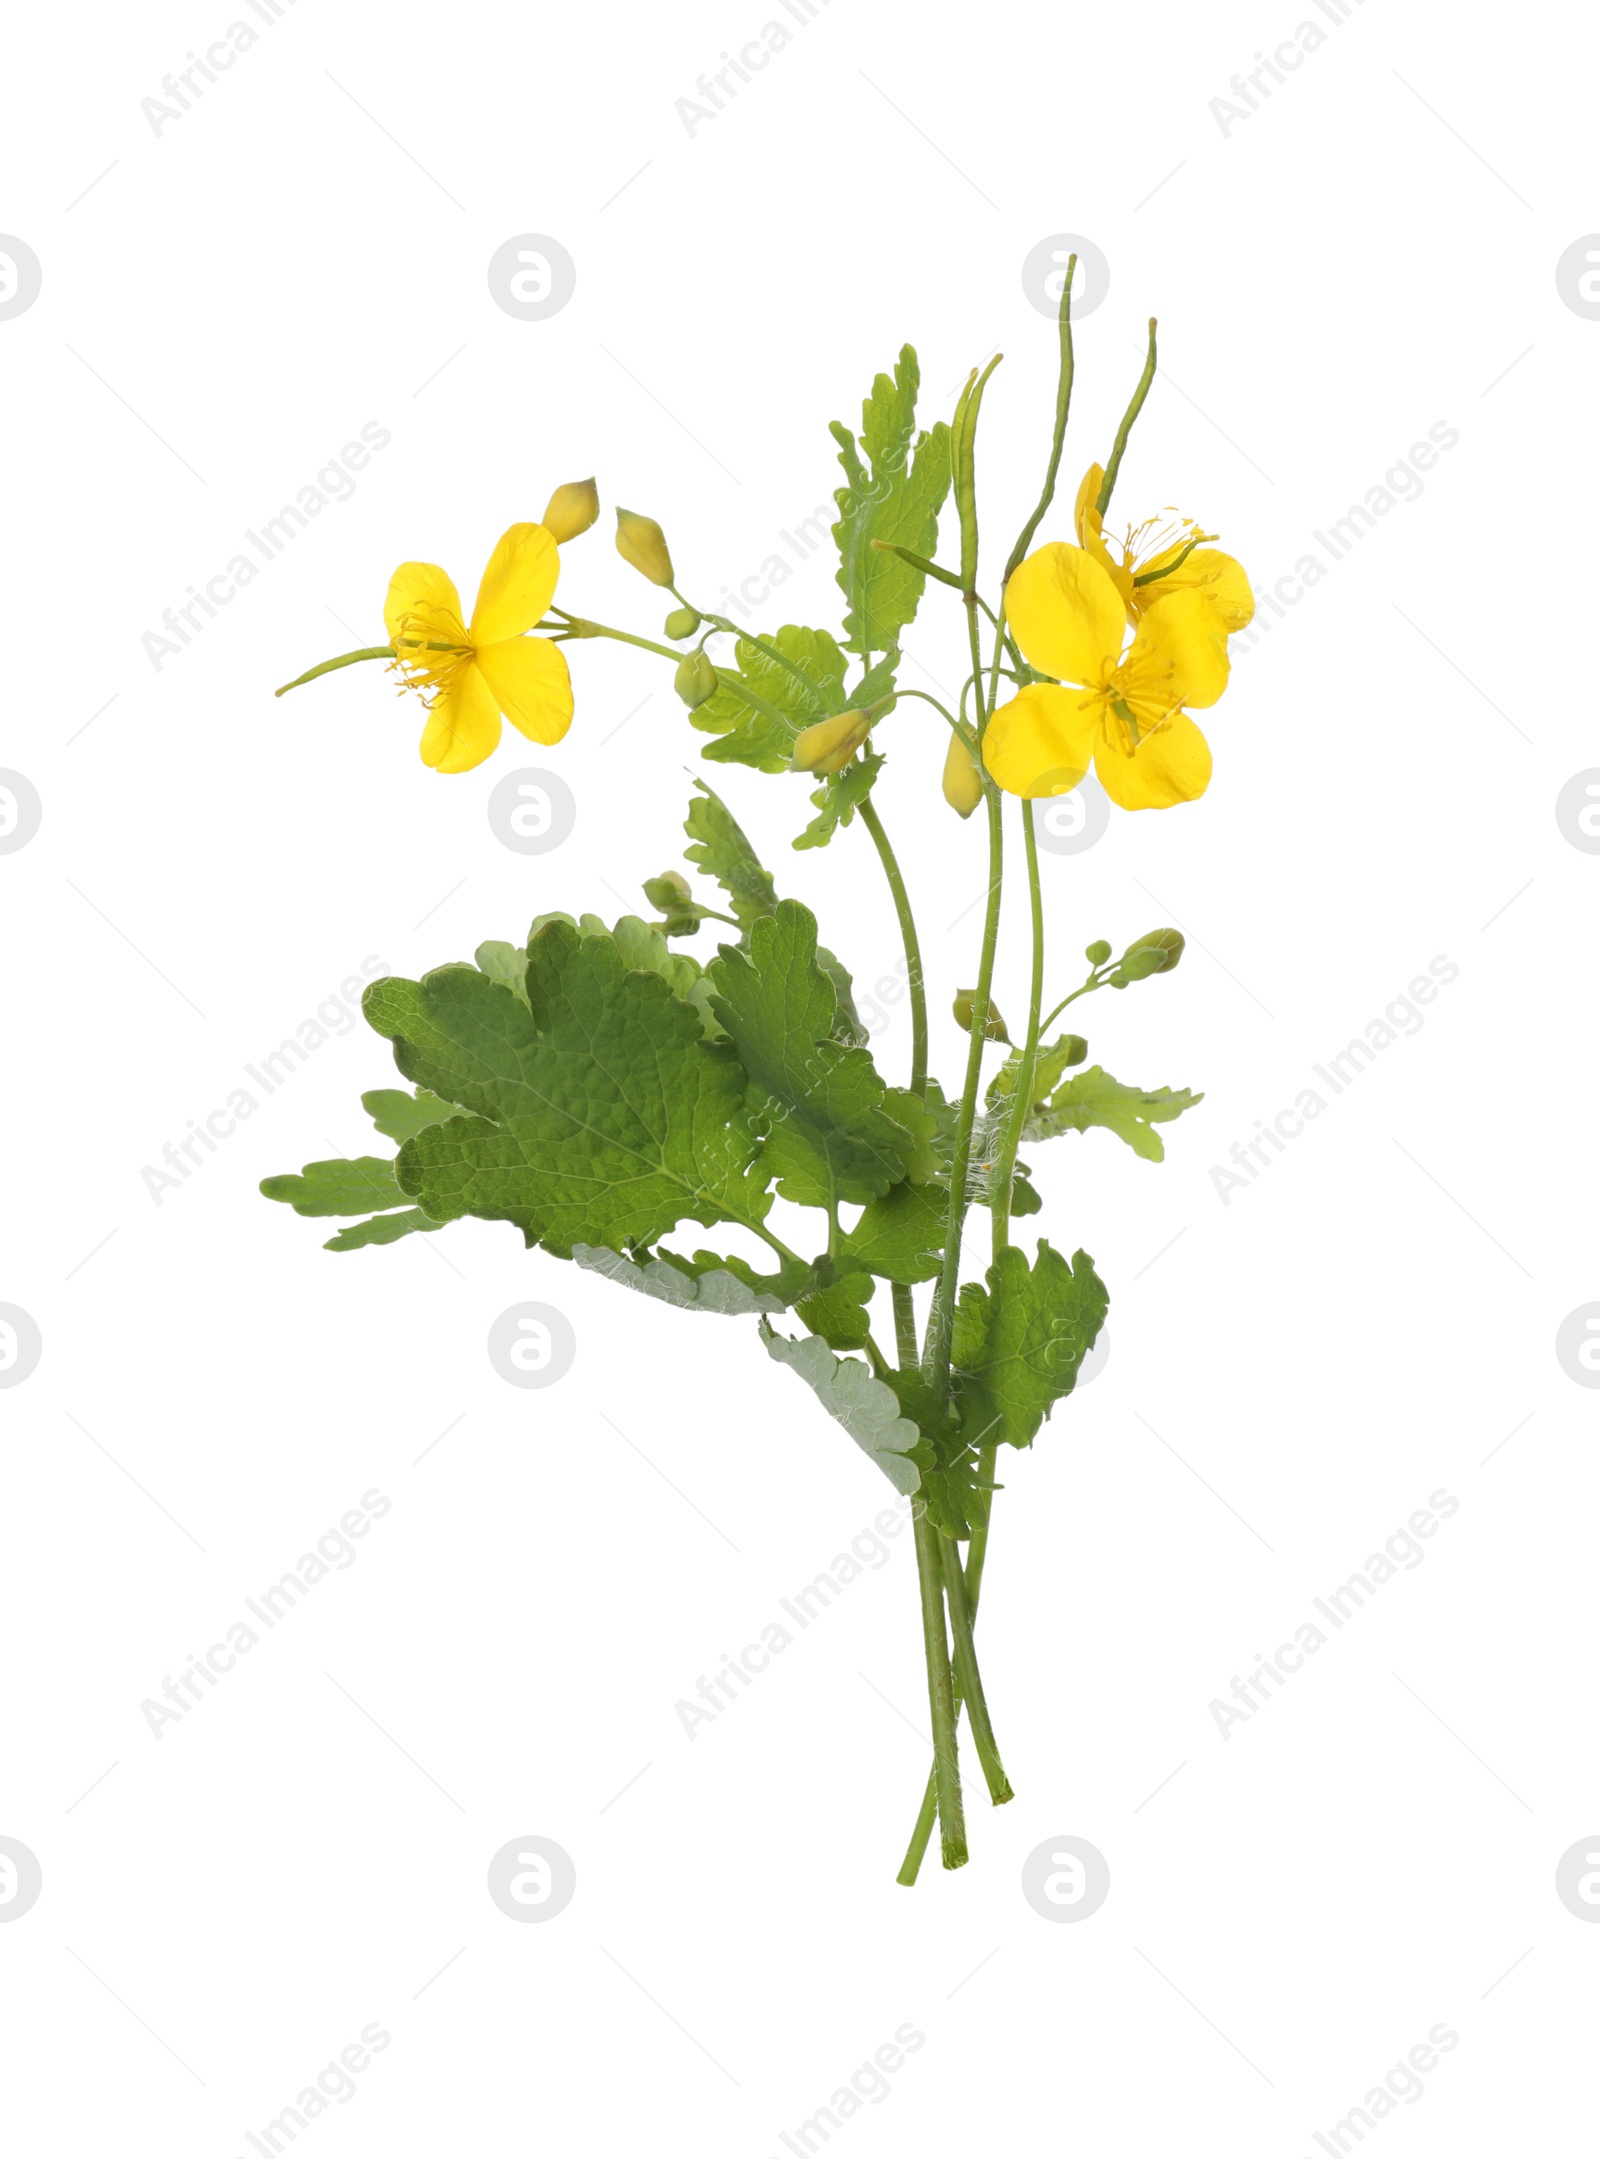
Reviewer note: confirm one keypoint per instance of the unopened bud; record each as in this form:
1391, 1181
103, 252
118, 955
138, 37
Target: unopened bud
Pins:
963, 788
1157, 952
965, 1009
1098, 953
571, 509
829, 745
642, 543
695, 679
681, 623
670, 892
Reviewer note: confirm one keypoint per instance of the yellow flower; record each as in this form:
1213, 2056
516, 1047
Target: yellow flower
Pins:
468, 674
1160, 557
1126, 716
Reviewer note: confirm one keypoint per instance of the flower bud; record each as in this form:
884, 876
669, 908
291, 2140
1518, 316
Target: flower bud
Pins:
964, 1010
1157, 952
829, 745
1098, 953
681, 623
670, 892
695, 679
963, 789
571, 509
642, 543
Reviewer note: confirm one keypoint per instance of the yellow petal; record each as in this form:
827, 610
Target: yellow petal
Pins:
1065, 612
1085, 516
422, 599
463, 724
1172, 765
528, 679
1216, 577
1041, 743
518, 584
1181, 629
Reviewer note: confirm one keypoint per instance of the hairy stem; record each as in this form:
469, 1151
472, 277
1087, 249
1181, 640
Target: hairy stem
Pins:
908, 937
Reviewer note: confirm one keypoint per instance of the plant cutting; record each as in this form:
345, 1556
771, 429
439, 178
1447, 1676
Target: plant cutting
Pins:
607, 1091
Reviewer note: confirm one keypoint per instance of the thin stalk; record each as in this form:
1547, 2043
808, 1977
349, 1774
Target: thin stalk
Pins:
941, 1697
968, 1676
1022, 1095
345, 659
908, 937
941, 1321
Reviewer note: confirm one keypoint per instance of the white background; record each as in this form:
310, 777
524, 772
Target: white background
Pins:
1370, 252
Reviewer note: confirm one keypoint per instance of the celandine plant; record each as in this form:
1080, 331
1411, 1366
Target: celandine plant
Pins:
599, 1088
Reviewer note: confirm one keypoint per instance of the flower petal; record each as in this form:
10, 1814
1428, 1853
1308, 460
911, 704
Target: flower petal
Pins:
1065, 612
528, 679
1173, 765
1181, 628
1041, 743
421, 596
1216, 577
463, 724
518, 583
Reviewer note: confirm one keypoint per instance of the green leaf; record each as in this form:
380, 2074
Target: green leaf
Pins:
1019, 1342
506, 964
598, 1114
896, 495
839, 797
712, 1289
397, 1114
360, 1185
381, 1229
1095, 1098
760, 706
1052, 1060
866, 1408
722, 851
901, 1235
831, 1137
839, 1312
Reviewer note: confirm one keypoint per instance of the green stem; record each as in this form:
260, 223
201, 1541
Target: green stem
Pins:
941, 1696
578, 627
1022, 1096
908, 937
345, 659
941, 1320
905, 1326
968, 1677
1140, 394
977, 1550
